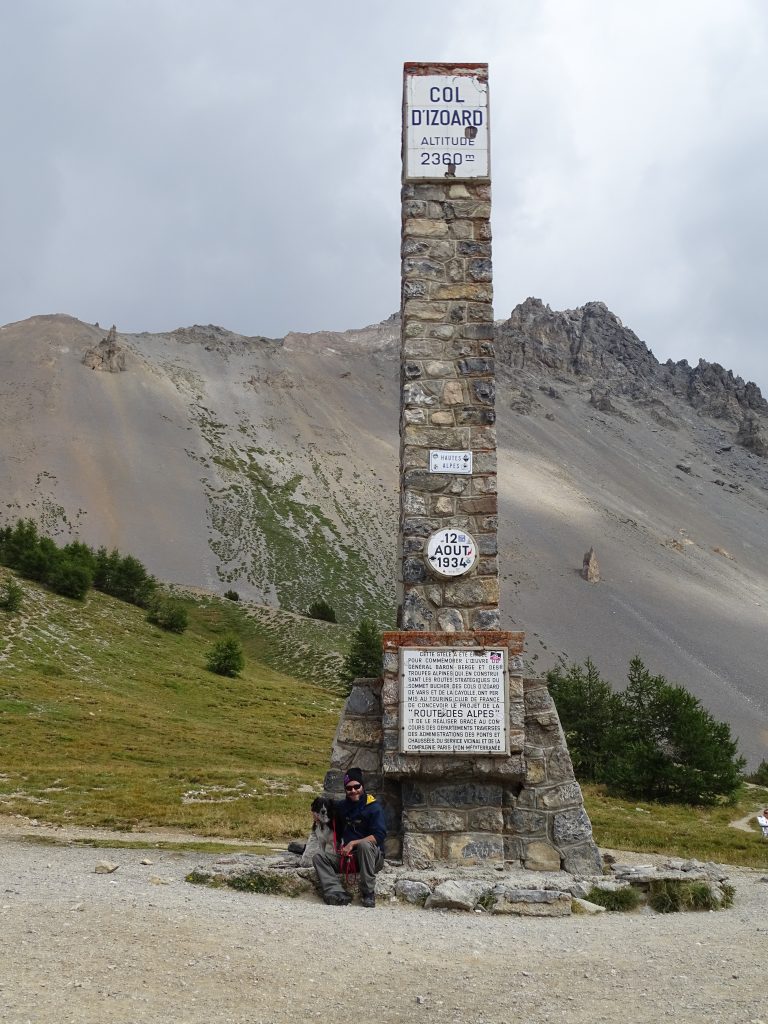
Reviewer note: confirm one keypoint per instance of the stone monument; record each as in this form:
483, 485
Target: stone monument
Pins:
467, 755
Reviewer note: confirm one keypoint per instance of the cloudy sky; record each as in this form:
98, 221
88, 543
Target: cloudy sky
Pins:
169, 162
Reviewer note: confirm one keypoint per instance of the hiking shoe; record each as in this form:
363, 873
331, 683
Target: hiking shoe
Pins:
367, 900
337, 900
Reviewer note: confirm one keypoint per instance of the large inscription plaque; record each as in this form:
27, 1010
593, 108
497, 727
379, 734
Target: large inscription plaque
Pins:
453, 700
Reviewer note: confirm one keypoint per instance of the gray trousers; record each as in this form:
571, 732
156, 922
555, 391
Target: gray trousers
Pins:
369, 859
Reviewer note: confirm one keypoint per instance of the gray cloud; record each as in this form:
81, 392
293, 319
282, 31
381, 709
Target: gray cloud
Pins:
174, 162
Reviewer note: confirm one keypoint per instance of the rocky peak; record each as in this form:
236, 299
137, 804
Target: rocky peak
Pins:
589, 341
713, 390
108, 356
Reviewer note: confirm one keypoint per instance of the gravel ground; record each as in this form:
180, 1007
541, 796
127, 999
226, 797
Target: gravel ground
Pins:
142, 945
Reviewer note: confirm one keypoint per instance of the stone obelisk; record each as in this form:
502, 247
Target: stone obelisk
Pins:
469, 756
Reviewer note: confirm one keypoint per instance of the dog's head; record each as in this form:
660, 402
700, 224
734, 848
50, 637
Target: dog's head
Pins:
323, 808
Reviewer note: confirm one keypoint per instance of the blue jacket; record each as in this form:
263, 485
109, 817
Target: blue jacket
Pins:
362, 818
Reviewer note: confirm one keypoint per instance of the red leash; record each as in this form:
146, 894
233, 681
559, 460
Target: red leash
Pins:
347, 863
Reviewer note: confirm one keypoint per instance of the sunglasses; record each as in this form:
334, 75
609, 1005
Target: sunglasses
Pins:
353, 788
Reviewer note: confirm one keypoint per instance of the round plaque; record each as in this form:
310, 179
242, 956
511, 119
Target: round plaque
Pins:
451, 552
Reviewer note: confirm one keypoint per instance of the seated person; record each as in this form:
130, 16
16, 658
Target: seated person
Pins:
361, 825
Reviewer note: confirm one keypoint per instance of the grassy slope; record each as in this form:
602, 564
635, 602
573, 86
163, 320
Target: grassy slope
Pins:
106, 720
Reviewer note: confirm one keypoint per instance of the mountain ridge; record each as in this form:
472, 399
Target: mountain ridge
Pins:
271, 466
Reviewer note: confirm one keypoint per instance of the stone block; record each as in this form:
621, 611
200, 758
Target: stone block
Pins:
583, 859
486, 618
560, 796
414, 416
541, 856
393, 847
559, 765
418, 526
392, 739
334, 781
401, 765
479, 505
414, 290
412, 891
414, 208
423, 227
460, 229
525, 823
513, 849
418, 851
478, 366
516, 740
479, 332
414, 570
456, 895
416, 309
485, 819
440, 332
363, 701
467, 593
470, 209
466, 794
390, 719
483, 437
419, 480
471, 290
417, 613
571, 827
474, 417
536, 771
467, 248
421, 267
480, 269
415, 457
483, 232
458, 192
442, 419
484, 390
365, 731
439, 368
530, 902
450, 620
413, 794
390, 692
453, 393
433, 820
444, 505
474, 848
418, 347
539, 701
435, 437
414, 504
478, 312
414, 393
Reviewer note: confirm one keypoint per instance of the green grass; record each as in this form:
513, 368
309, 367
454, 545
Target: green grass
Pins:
106, 720
679, 831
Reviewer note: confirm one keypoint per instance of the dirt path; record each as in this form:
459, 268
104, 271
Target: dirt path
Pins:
142, 945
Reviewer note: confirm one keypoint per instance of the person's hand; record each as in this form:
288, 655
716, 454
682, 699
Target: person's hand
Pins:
349, 847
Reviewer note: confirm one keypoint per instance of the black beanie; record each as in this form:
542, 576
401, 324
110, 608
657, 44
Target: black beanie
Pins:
353, 775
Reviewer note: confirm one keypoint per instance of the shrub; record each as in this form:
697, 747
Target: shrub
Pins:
69, 578
654, 741
615, 899
587, 707
321, 610
225, 658
10, 596
363, 660
232, 595
168, 614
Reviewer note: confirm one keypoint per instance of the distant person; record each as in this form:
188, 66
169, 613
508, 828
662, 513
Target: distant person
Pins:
362, 830
762, 821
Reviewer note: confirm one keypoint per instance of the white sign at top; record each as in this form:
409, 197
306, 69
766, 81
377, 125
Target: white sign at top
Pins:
446, 127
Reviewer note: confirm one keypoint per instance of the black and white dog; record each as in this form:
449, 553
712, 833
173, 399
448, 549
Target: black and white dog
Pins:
324, 824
